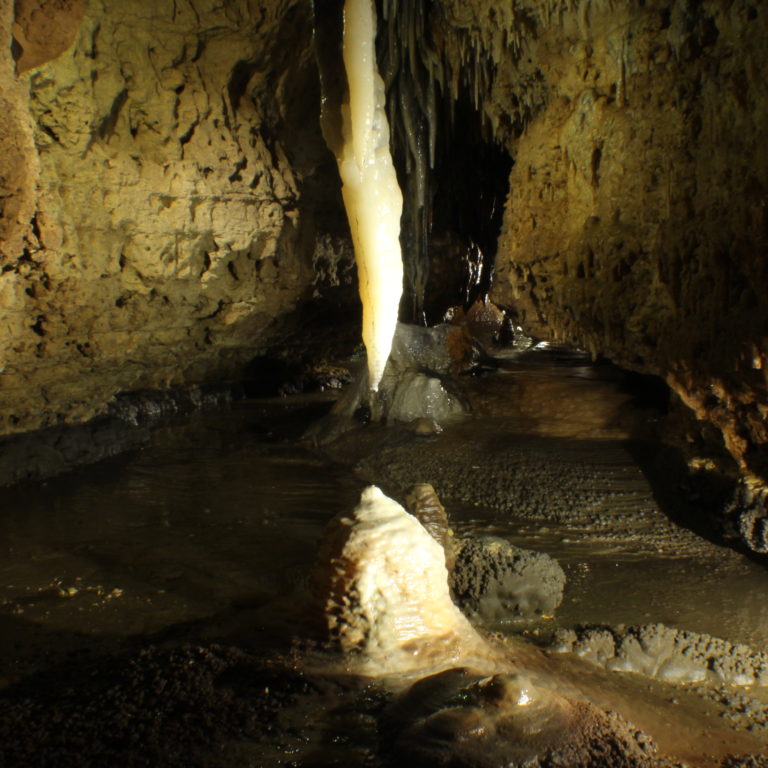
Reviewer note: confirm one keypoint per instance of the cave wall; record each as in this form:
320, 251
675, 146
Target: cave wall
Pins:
152, 161
636, 222
158, 160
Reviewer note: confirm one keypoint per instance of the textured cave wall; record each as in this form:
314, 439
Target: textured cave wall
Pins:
151, 169
158, 159
636, 222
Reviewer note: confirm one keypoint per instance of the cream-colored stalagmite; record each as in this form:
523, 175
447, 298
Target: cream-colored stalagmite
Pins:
371, 193
381, 588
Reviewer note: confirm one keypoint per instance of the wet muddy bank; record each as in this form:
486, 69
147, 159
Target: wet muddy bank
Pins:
126, 426
200, 705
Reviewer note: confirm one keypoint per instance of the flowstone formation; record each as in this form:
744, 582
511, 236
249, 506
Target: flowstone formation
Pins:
381, 585
459, 719
380, 588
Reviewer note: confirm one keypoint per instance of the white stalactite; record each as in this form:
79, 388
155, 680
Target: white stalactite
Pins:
370, 190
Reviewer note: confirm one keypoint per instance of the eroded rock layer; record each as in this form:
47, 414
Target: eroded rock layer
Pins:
636, 219
150, 234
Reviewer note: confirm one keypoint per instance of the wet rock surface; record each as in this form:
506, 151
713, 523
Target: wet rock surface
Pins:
494, 580
417, 386
200, 705
208, 534
423, 503
42, 454
380, 588
577, 484
461, 720
164, 707
667, 653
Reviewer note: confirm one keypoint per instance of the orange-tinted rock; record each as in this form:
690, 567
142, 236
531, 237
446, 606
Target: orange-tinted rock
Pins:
44, 29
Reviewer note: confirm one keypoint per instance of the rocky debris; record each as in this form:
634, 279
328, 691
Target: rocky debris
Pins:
738, 708
674, 655
460, 719
276, 376
316, 377
747, 512
494, 580
748, 761
159, 708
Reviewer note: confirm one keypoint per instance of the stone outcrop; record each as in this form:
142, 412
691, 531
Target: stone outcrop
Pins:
150, 235
636, 219
380, 594
43, 30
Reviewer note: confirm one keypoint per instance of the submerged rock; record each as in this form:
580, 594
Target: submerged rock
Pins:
666, 653
462, 719
494, 580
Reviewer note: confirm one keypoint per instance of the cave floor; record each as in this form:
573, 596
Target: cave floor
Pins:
190, 553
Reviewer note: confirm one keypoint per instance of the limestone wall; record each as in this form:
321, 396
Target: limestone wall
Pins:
150, 233
154, 226
636, 223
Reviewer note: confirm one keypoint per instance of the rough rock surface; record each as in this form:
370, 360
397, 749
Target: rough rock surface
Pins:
666, 653
636, 219
44, 29
149, 235
188, 706
416, 384
494, 580
380, 587
424, 504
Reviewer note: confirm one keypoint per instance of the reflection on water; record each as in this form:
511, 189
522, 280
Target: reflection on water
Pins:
210, 517
218, 518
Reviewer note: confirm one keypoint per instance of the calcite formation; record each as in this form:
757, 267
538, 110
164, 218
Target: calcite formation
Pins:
371, 193
381, 588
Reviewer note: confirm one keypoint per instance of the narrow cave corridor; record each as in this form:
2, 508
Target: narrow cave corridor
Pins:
542, 542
